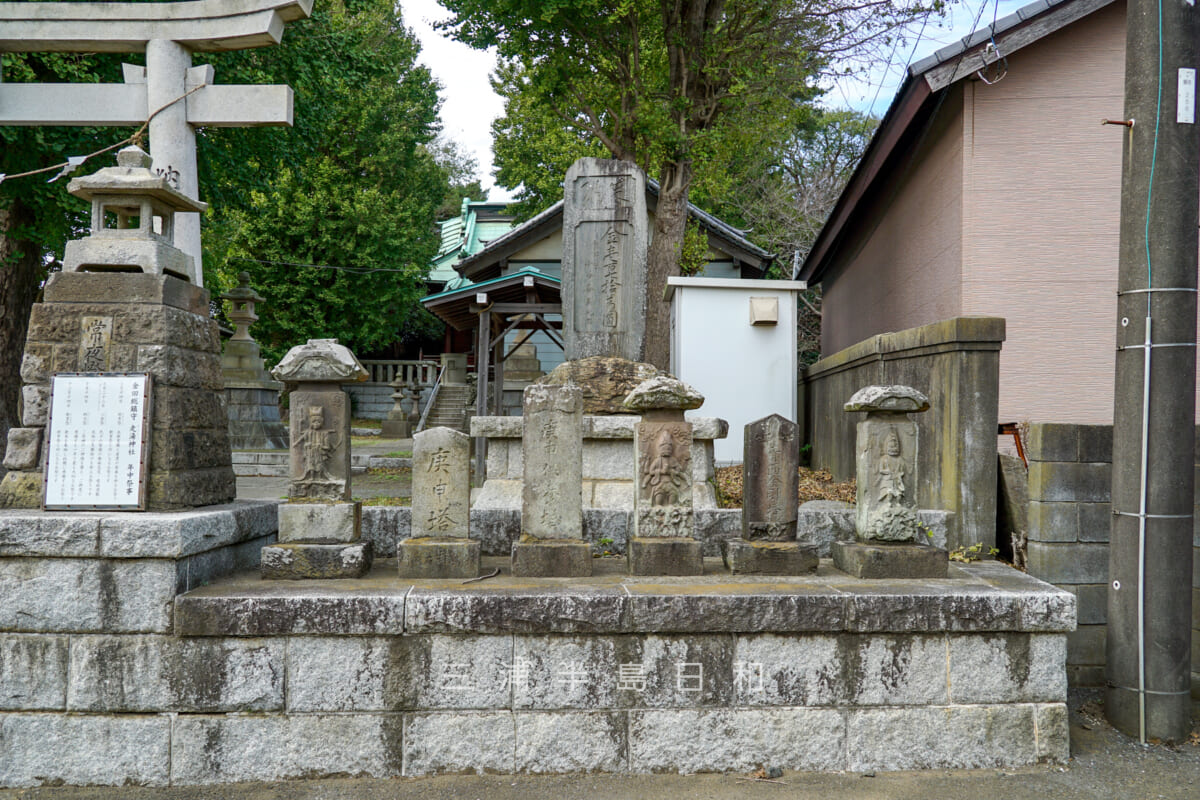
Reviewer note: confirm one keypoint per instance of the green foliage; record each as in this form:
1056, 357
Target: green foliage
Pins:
56, 216
694, 252
350, 194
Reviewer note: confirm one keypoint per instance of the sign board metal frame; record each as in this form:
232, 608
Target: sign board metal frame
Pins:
60, 423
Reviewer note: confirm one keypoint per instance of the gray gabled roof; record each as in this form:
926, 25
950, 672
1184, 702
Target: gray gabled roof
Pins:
545, 222
918, 99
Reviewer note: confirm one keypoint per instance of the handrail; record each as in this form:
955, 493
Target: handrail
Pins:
437, 385
407, 371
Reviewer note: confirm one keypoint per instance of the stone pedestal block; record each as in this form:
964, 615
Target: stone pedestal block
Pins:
396, 429
551, 558
889, 560
301, 560
768, 558
665, 556
438, 557
253, 413
320, 522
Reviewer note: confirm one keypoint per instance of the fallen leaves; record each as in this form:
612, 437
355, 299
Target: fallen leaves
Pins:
815, 484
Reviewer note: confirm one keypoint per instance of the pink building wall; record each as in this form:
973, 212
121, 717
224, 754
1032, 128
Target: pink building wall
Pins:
1011, 210
906, 270
1041, 218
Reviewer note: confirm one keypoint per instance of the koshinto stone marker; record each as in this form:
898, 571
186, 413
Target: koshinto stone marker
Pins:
889, 540
551, 542
663, 541
320, 530
440, 546
770, 491
605, 240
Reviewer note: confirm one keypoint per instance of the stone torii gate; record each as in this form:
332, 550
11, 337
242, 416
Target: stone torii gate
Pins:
168, 33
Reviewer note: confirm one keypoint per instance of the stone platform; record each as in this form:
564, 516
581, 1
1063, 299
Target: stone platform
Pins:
383, 677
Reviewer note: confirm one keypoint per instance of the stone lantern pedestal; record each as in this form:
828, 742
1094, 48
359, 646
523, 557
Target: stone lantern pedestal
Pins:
126, 301
888, 537
320, 528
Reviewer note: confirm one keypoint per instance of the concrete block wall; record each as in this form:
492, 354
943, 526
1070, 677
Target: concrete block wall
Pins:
1069, 519
1069, 516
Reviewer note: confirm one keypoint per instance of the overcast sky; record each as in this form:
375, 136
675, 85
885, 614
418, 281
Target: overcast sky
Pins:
469, 105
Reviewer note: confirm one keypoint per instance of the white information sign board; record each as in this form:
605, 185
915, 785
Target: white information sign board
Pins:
98, 441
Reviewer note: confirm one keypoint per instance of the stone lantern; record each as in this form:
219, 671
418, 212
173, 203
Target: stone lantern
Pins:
251, 396
132, 229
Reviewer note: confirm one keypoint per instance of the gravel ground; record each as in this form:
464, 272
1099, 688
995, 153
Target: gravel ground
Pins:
1104, 764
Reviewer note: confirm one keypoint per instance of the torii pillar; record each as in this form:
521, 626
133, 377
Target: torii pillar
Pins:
168, 33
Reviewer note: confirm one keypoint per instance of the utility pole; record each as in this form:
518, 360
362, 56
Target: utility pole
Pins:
1150, 554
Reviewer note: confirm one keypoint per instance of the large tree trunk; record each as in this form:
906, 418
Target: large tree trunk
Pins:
20, 273
670, 222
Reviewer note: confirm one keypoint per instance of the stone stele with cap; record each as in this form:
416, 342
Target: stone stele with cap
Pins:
319, 539
888, 542
663, 541
132, 228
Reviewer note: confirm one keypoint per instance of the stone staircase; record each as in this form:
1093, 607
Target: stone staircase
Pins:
450, 407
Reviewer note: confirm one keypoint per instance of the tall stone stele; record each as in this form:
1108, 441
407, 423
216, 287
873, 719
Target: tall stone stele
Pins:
889, 542
551, 544
663, 540
251, 396
770, 492
124, 302
440, 545
605, 242
320, 528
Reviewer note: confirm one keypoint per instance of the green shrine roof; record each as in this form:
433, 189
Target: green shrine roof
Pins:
479, 223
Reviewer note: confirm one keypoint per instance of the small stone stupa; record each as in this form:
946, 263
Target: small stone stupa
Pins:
320, 528
889, 541
133, 212
251, 396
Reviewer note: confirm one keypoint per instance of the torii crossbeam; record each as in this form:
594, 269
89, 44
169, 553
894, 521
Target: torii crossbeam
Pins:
168, 33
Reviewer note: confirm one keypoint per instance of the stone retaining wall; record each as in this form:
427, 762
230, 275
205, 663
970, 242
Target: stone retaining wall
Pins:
956, 364
819, 523
251, 680
1069, 517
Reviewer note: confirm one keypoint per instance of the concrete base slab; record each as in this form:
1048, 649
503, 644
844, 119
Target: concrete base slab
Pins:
665, 556
438, 557
551, 558
315, 560
768, 558
863, 560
